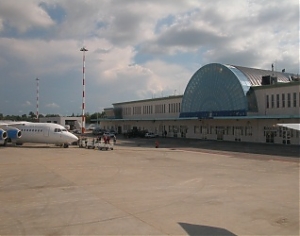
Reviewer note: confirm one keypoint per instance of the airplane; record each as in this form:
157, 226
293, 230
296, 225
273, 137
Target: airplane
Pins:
28, 132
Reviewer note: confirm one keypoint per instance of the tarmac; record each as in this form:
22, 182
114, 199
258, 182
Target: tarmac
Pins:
184, 187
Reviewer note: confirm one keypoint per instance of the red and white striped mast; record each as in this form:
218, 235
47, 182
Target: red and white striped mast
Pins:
83, 49
37, 98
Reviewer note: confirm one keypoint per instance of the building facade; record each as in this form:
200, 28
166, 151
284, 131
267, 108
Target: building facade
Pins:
68, 122
220, 102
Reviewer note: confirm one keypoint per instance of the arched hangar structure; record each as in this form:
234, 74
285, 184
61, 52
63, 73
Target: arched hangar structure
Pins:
223, 90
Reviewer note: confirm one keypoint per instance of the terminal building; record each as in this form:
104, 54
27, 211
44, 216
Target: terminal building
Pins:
220, 102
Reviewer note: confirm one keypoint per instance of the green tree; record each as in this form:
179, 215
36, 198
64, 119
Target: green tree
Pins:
32, 115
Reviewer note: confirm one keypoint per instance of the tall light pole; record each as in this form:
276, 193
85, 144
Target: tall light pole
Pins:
83, 49
37, 98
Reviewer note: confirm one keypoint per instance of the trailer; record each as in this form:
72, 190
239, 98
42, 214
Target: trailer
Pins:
82, 142
87, 143
105, 146
92, 143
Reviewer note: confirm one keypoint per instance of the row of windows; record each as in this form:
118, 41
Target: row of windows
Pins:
31, 130
127, 111
137, 110
147, 109
281, 132
161, 108
40, 130
174, 107
236, 131
158, 109
283, 100
224, 130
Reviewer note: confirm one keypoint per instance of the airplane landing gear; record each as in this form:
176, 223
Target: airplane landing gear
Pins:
65, 145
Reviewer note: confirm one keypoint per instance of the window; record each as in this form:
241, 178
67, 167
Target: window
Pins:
277, 100
294, 99
248, 131
289, 100
267, 101
272, 100
283, 99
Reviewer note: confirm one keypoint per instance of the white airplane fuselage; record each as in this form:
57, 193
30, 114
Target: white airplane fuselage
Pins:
49, 133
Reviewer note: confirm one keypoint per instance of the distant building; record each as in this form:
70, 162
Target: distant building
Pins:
220, 102
66, 121
109, 112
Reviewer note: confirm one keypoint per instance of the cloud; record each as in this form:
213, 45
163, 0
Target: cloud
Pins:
137, 49
52, 105
27, 103
24, 15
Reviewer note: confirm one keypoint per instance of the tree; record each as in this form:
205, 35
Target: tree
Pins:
32, 115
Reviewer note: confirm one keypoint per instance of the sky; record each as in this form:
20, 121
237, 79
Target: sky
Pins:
137, 49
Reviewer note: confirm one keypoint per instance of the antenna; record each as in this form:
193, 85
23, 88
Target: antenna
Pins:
37, 98
83, 49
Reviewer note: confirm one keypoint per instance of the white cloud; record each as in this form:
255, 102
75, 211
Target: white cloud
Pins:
52, 105
137, 49
27, 103
24, 15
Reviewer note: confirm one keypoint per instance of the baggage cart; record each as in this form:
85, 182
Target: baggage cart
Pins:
105, 146
82, 142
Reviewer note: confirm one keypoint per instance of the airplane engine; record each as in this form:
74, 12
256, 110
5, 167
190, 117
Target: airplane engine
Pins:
13, 133
3, 134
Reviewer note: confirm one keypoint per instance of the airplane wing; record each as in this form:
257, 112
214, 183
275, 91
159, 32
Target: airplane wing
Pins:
295, 126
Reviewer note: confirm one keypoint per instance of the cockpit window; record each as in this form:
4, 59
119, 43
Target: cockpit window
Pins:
64, 130
57, 130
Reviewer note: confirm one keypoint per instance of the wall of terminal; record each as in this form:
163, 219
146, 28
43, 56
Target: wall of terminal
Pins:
251, 114
236, 130
168, 107
109, 112
279, 100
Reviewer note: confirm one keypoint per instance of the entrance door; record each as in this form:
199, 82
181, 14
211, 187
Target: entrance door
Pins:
286, 136
119, 130
270, 136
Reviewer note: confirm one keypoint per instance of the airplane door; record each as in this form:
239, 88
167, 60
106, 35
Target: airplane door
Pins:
46, 132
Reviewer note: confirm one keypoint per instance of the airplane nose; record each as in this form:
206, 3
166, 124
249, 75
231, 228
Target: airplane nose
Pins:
73, 138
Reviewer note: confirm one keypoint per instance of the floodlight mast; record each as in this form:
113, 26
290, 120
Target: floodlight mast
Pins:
83, 49
37, 98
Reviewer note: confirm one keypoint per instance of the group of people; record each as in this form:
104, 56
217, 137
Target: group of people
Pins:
106, 139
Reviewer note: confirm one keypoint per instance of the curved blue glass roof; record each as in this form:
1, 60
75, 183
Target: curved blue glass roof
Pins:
216, 90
